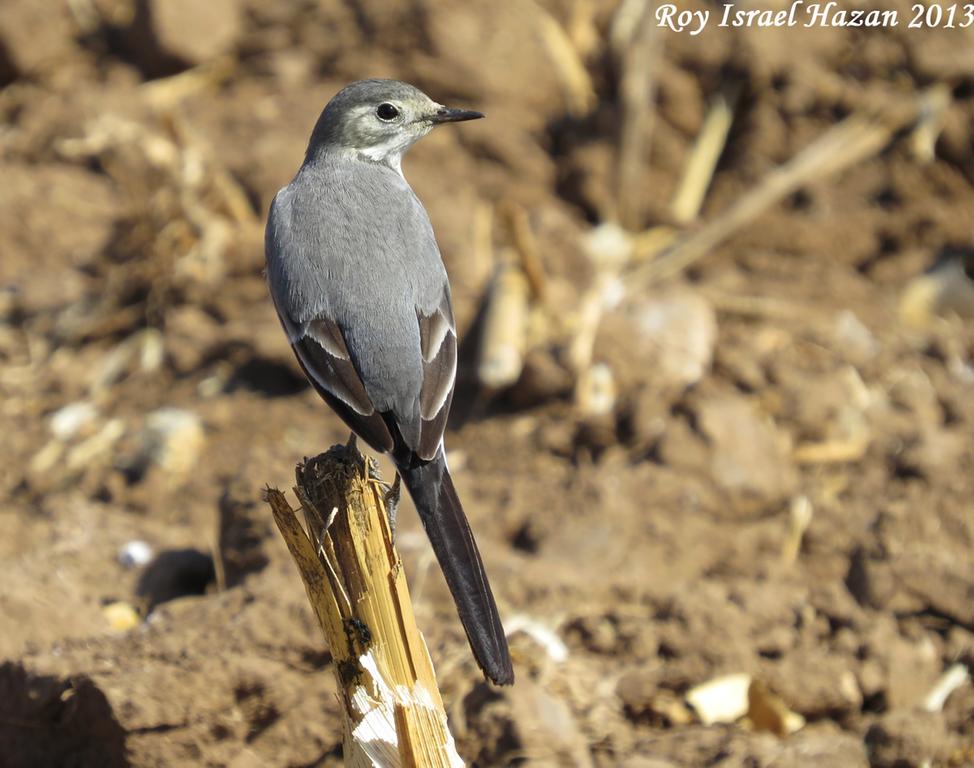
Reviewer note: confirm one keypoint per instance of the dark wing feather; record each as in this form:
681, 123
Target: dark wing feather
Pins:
322, 349
438, 345
324, 357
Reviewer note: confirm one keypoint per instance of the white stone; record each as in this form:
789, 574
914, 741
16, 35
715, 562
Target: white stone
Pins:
134, 554
721, 700
66, 422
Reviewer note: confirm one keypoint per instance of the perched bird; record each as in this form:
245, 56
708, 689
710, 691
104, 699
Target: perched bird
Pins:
359, 285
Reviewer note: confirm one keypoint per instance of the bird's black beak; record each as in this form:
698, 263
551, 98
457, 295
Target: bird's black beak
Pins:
447, 115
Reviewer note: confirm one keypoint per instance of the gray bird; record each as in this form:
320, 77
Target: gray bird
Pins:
359, 285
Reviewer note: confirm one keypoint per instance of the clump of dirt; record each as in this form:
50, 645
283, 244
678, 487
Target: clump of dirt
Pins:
760, 465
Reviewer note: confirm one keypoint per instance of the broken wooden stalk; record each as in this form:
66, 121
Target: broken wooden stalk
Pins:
393, 713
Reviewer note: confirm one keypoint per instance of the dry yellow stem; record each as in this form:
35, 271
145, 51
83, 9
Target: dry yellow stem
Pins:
505, 328
582, 28
357, 588
856, 138
931, 123
703, 158
637, 92
799, 518
524, 242
575, 80
167, 92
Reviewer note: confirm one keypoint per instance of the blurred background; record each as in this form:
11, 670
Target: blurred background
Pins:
713, 428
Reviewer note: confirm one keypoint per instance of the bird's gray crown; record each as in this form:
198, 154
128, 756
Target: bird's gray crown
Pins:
377, 121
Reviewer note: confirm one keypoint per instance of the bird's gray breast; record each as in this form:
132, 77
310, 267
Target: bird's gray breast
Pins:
350, 240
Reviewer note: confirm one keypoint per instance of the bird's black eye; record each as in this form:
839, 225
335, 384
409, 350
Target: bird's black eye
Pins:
387, 111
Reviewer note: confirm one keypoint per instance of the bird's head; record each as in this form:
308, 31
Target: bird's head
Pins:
378, 120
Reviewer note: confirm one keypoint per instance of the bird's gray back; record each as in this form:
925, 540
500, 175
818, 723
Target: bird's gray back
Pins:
349, 239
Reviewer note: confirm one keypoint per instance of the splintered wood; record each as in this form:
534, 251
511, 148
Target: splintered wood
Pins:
357, 588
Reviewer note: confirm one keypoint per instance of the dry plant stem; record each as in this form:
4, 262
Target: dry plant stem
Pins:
582, 29
831, 451
635, 46
637, 89
167, 92
504, 340
704, 156
575, 80
590, 311
956, 676
524, 242
231, 196
931, 123
854, 139
393, 713
799, 518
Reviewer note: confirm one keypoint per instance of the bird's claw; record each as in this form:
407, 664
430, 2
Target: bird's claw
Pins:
392, 497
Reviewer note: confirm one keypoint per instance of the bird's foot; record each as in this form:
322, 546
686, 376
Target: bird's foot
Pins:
366, 466
392, 496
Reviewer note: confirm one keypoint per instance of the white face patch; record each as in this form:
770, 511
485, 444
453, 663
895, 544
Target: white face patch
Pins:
383, 142
389, 152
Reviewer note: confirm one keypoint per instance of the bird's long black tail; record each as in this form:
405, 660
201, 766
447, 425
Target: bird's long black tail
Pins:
449, 532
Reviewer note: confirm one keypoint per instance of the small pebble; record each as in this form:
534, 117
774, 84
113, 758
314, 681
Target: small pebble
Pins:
121, 616
134, 554
66, 422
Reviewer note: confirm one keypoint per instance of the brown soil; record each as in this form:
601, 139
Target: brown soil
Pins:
649, 542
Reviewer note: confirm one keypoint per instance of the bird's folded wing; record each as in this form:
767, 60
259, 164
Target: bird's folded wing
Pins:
438, 347
323, 353
324, 356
